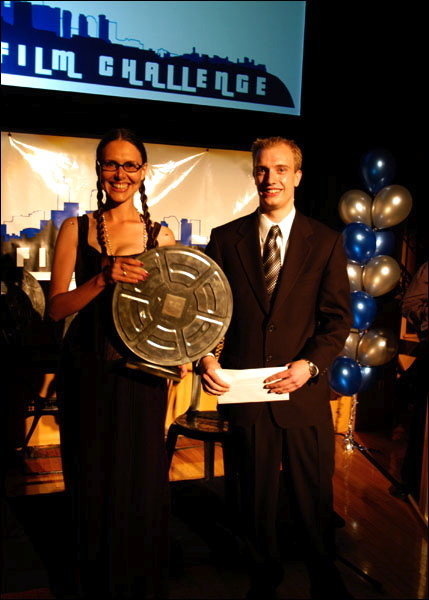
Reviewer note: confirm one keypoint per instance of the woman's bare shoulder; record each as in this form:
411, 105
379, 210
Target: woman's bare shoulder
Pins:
165, 237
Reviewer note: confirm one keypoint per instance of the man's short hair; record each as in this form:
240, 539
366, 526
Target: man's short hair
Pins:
262, 143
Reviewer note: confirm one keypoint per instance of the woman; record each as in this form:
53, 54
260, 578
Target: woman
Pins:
112, 418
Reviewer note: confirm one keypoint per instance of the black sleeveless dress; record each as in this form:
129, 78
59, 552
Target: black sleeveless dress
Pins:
113, 451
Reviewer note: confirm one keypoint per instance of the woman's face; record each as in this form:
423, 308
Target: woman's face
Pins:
120, 185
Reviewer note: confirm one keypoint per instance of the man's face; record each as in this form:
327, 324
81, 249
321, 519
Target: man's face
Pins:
276, 180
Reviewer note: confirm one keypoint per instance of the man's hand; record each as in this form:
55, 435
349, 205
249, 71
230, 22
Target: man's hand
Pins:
295, 376
211, 382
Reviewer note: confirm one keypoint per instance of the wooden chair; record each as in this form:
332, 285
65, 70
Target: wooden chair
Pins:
37, 408
209, 427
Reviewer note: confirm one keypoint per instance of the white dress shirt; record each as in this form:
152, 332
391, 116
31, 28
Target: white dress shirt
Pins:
285, 225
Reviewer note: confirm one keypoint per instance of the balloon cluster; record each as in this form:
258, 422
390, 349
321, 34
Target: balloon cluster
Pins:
371, 270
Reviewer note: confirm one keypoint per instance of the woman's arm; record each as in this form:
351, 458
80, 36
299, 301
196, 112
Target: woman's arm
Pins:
61, 302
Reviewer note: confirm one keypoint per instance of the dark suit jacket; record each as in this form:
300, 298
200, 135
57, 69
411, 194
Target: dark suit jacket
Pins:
309, 317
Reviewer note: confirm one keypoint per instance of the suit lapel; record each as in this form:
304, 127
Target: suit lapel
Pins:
298, 249
249, 251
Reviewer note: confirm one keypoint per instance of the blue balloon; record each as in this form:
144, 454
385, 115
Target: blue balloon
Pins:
369, 375
364, 309
378, 169
359, 242
384, 243
345, 376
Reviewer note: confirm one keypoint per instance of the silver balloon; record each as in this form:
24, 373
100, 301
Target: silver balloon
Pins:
355, 206
380, 275
377, 347
354, 271
350, 346
391, 205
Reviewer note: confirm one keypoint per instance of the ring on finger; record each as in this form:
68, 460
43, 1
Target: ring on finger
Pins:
124, 273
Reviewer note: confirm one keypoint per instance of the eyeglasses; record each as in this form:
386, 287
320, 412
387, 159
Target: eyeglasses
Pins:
112, 165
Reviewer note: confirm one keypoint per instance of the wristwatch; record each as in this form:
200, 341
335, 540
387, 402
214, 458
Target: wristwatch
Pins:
314, 371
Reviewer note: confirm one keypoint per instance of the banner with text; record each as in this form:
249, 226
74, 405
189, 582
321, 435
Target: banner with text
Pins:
246, 55
46, 179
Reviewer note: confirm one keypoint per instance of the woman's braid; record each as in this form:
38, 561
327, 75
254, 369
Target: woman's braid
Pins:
151, 239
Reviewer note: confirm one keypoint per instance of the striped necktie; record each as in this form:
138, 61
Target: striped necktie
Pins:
271, 259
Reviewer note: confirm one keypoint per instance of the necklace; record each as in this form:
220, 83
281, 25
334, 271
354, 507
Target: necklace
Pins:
107, 238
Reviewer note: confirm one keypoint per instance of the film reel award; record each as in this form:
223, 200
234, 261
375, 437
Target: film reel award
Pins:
177, 315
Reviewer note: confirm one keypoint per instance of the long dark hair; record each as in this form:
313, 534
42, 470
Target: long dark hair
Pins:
132, 138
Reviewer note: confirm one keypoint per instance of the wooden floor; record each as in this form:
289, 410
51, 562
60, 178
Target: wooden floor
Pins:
382, 548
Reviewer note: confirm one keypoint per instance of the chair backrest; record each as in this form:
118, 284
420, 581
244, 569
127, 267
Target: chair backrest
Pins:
195, 390
196, 379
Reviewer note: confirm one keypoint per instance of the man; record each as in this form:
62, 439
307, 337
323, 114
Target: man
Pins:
298, 323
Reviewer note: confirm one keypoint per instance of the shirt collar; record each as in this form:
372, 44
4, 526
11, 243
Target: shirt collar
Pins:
285, 225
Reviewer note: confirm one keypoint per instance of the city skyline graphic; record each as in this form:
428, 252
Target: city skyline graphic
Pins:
33, 247
39, 43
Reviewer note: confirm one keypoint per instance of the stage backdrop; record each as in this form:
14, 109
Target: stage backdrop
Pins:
46, 179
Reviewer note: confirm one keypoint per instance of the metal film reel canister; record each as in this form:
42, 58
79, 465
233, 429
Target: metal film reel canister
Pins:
178, 314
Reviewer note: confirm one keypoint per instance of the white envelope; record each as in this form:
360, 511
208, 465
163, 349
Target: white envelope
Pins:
247, 385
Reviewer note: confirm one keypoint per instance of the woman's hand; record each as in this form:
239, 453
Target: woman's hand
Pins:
125, 270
